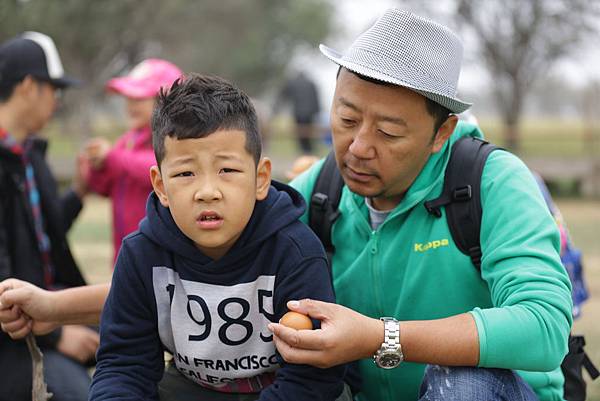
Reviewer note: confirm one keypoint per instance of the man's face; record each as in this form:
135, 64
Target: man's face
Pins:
382, 136
42, 105
139, 112
211, 185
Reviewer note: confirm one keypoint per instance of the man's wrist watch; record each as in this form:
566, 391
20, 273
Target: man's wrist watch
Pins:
389, 355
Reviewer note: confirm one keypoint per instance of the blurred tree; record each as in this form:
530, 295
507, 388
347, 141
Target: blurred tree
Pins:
518, 41
248, 41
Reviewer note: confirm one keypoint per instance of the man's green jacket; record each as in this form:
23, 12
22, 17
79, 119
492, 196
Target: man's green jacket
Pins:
410, 268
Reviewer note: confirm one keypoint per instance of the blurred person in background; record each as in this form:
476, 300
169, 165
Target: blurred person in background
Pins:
301, 92
34, 219
122, 171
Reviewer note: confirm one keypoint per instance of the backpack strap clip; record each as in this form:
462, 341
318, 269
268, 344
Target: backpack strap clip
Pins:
319, 200
462, 194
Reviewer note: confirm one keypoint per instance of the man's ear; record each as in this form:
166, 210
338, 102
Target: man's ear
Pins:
263, 178
444, 133
159, 185
26, 87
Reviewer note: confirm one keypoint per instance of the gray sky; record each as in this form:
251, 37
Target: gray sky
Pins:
355, 16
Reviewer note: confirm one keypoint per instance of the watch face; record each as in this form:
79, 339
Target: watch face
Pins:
389, 360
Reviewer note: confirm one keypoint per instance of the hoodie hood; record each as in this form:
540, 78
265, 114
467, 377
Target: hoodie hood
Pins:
282, 207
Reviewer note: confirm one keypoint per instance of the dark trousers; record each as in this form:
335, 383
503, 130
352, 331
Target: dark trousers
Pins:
67, 379
175, 387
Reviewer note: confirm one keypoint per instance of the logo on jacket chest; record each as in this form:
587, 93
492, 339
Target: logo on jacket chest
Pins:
426, 246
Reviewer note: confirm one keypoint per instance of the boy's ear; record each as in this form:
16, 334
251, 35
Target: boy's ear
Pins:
263, 178
159, 186
444, 133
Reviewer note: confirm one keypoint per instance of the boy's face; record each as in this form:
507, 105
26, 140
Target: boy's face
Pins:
210, 186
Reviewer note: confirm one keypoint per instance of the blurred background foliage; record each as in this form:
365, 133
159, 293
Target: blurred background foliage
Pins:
248, 42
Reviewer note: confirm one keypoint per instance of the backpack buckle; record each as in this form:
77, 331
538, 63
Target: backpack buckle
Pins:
319, 200
462, 194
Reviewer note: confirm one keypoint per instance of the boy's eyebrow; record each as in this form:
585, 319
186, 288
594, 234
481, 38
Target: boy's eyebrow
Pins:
182, 160
381, 117
226, 156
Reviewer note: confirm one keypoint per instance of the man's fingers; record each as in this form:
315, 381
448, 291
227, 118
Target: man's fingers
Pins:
304, 339
298, 355
8, 284
16, 325
10, 314
15, 296
22, 332
316, 309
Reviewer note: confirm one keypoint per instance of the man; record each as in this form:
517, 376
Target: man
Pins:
448, 331
34, 220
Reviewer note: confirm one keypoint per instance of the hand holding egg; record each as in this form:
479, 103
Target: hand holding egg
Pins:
296, 321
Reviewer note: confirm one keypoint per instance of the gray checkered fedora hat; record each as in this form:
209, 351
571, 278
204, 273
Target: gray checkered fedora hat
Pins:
407, 50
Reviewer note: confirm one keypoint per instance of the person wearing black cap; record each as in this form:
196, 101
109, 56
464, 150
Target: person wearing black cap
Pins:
34, 219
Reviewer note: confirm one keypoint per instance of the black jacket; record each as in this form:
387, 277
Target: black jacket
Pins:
161, 276
20, 256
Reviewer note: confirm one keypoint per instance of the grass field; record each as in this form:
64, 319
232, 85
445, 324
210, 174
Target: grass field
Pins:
93, 249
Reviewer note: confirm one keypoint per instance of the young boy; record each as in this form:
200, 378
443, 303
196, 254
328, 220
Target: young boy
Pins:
217, 257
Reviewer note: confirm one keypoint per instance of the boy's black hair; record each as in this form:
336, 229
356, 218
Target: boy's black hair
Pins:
439, 113
199, 105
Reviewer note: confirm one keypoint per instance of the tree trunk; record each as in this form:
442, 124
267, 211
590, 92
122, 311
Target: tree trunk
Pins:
511, 136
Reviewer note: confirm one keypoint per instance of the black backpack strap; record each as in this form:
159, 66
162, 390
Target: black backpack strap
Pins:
461, 194
324, 202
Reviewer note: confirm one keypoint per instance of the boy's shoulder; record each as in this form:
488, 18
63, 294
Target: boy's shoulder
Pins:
297, 238
140, 246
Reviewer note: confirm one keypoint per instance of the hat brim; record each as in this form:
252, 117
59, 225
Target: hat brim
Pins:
130, 88
65, 82
453, 104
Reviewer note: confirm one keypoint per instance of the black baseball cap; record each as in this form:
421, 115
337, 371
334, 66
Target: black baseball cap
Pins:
35, 54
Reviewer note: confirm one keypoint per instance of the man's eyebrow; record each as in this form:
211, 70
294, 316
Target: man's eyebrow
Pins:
347, 103
393, 120
381, 117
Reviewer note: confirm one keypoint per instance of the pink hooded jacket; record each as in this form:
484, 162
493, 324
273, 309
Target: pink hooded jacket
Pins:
125, 178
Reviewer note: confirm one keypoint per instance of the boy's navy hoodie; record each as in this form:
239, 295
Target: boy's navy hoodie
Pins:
213, 315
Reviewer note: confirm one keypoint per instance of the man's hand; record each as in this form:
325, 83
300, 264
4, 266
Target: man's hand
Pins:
344, 336
78, 342
25, 308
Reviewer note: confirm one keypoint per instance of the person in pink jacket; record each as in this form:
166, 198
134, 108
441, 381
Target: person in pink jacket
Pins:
121, 171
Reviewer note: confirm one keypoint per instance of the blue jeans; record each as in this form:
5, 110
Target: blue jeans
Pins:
450, 383
67, 379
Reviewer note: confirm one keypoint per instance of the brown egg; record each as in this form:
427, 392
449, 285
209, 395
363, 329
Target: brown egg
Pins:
296, 321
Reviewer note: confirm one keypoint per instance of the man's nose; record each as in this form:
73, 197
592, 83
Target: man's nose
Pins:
362, 144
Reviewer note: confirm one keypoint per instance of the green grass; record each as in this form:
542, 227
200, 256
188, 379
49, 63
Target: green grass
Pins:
583, 219
550, 137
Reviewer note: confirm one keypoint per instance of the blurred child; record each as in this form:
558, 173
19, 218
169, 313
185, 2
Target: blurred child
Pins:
217, 257
121, 172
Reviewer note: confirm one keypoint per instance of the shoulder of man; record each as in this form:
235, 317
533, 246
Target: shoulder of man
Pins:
305, 183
